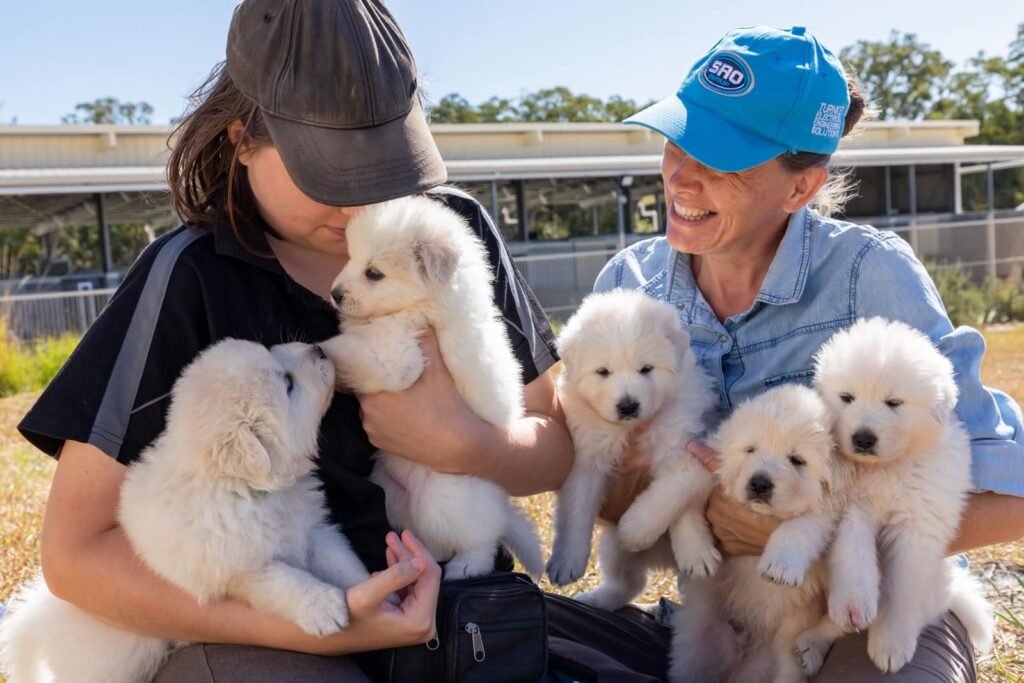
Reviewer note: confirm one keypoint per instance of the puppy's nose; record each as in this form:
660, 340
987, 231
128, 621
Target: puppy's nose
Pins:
864, 440
760, 487
337, 295
628, 407
319, 352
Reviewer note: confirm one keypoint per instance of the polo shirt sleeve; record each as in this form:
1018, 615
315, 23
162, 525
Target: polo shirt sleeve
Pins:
992, 419
528, 327
114, 390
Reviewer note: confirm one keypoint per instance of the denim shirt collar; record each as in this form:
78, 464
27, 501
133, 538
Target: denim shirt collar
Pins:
783, 284
787, 275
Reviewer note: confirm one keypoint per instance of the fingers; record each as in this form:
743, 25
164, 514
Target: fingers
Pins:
705, 454
430, 347
367, 595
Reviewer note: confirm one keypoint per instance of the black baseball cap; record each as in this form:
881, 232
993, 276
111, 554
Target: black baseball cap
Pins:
336, 83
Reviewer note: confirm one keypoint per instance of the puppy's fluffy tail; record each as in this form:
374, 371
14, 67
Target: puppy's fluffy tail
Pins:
522, 539
970, 606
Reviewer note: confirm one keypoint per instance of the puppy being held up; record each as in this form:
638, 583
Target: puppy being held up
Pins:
222, 504
893, 394
415, 263
760, 618
627, 362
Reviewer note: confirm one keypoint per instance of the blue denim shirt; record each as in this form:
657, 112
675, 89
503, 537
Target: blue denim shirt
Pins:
825, 275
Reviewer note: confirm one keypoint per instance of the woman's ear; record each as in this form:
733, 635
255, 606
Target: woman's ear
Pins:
805, 185
236, 133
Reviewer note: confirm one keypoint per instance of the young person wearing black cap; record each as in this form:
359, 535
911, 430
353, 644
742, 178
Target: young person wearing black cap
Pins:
315, 113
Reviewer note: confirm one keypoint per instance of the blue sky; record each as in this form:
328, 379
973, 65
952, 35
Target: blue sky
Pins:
56, 53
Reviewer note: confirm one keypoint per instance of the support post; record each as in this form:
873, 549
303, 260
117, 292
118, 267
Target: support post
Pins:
912, 182
990, 221
106, 261
524, 229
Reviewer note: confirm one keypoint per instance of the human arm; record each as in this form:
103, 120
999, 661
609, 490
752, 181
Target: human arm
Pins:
534, 456
88, 561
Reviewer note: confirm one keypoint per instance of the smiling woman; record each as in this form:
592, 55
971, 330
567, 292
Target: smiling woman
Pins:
761, 278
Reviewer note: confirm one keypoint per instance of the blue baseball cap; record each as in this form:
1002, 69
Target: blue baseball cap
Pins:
758, 93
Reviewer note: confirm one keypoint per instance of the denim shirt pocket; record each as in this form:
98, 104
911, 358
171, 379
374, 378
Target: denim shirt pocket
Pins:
799, 376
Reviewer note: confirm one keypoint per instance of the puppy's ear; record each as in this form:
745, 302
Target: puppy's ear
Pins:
437, 260
240, 454
945, 400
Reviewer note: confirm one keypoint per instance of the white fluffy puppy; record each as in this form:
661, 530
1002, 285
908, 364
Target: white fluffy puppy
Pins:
223, 503
745, 624
626, 361
892, 394
412, 263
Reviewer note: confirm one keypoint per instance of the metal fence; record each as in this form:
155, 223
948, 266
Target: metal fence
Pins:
565, 274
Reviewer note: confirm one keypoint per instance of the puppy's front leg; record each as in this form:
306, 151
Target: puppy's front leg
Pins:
914, 593
813, 644
578, 503
853, 570
332, 558
380, 356
794, 546
294, 594
670, 492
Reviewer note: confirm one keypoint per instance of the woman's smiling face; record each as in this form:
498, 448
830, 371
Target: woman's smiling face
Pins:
710, 212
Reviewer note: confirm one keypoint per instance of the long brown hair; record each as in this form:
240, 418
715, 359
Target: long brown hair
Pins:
208, 185
839, 188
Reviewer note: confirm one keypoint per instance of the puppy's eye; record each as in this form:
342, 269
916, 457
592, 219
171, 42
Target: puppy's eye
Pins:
373, 274
603, 372
750, 449
797, 461
846, 398
894, 403
645, 370
290, 381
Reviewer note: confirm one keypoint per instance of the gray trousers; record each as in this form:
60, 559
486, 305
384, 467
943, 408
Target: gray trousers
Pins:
943, 655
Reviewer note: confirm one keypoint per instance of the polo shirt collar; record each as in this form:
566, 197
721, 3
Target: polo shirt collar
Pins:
255, 251
787, 275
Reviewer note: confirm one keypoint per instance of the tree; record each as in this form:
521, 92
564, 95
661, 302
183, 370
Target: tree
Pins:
547, 105
109, 110
904, 77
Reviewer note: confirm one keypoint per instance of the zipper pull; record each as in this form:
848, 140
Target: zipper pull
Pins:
478, 641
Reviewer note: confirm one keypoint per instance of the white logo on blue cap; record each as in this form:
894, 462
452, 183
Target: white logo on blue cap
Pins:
726, 73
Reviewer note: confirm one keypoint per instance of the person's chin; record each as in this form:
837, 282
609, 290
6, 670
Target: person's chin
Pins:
691, 237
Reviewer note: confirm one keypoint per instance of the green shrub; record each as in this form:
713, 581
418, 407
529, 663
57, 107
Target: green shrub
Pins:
970, 303
28, 367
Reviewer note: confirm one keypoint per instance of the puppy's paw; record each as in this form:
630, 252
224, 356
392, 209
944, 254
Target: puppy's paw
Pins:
324, 613
564, 568
635, 532
466, 569
782, 569
698, 562
810, 652
852, 611
888, 649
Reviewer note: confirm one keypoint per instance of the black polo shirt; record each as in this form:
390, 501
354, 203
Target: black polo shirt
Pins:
191, 288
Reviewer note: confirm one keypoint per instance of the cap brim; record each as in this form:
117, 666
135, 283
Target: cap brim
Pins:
711, 140
357, 166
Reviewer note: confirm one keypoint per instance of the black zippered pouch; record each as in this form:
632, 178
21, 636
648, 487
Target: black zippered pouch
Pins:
490, 629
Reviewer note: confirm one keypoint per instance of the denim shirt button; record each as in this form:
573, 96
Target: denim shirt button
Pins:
723, 338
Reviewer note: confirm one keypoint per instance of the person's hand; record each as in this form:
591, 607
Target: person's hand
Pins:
739, 530
631, 477
376, 621
431, 412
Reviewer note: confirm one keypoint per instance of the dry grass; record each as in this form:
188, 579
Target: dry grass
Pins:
26, 475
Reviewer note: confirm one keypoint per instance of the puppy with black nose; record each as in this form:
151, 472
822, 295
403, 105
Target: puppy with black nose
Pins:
760, 619
892, 394
627, 363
